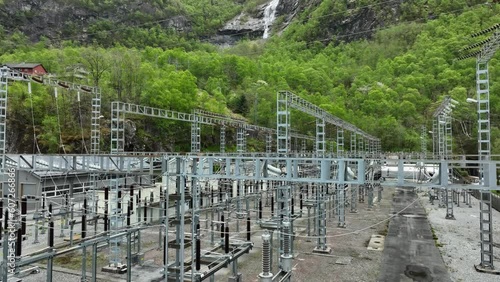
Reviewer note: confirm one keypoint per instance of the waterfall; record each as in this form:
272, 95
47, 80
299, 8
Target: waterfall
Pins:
269, 16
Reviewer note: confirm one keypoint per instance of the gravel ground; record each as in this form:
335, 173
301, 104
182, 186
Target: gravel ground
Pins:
459, 239
60, 276
349, 260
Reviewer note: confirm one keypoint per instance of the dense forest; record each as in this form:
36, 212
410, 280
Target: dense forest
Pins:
387, 83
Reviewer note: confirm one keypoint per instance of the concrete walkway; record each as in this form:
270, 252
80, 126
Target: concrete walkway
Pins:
410, 253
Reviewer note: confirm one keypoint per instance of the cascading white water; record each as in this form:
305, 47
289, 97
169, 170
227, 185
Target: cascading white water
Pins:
269, 16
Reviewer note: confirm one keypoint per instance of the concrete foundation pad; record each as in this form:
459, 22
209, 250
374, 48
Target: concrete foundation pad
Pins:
376, 243
327, 250
120, 269
75, 238
344, 260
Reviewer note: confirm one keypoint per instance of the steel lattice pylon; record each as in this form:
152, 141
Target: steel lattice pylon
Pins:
483, 56
361, 150
95, 133
283, 123
223, 139
195, 135
423, 141
117, 128
320, 137
115, 224
353, 143
484, 150
241, 141
340, 141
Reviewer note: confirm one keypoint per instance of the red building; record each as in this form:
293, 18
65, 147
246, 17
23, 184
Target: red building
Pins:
28, 68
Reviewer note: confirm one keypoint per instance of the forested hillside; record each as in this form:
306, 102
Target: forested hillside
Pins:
387, 83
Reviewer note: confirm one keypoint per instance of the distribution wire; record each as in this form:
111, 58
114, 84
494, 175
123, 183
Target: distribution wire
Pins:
35, 140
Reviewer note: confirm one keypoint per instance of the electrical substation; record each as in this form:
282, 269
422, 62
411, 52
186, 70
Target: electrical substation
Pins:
157, 216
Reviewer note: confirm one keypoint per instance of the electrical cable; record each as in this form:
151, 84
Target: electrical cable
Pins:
61, 143
35, 140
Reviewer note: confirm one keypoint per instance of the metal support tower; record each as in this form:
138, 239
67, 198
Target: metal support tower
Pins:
95, 132
321, 245
269, 143
283, 123
353, 143
117, 128
340, 141
223, 139
195, 194
320, 137
361, 151
195, 135
448, 135
441, 136
448, 152
341, 195
435, 134
180, 221
423, 141
442, 117
241, 140
484, 150
3, 113
116, 222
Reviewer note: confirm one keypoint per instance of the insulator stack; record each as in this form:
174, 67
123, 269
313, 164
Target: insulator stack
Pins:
266, 254
286, 237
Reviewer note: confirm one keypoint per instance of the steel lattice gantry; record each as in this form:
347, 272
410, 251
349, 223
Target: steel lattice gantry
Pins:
483, 56
95, 134
286, 99
442, 123
197, 118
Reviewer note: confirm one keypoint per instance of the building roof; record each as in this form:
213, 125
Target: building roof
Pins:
23, 65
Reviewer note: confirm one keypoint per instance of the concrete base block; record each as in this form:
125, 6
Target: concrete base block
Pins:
118, 269
327, 250
236, 278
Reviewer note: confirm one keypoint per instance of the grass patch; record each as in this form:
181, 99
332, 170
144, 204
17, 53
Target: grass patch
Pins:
435, 238
385, 230
73, 260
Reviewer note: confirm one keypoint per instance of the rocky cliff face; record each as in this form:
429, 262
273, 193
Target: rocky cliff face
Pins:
253, 23
353, 24
79, 20
71, 19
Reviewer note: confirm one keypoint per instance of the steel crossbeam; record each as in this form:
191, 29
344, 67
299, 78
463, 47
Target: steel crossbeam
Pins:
490, 47
7, 73
315, 111
199, 117
49, 81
